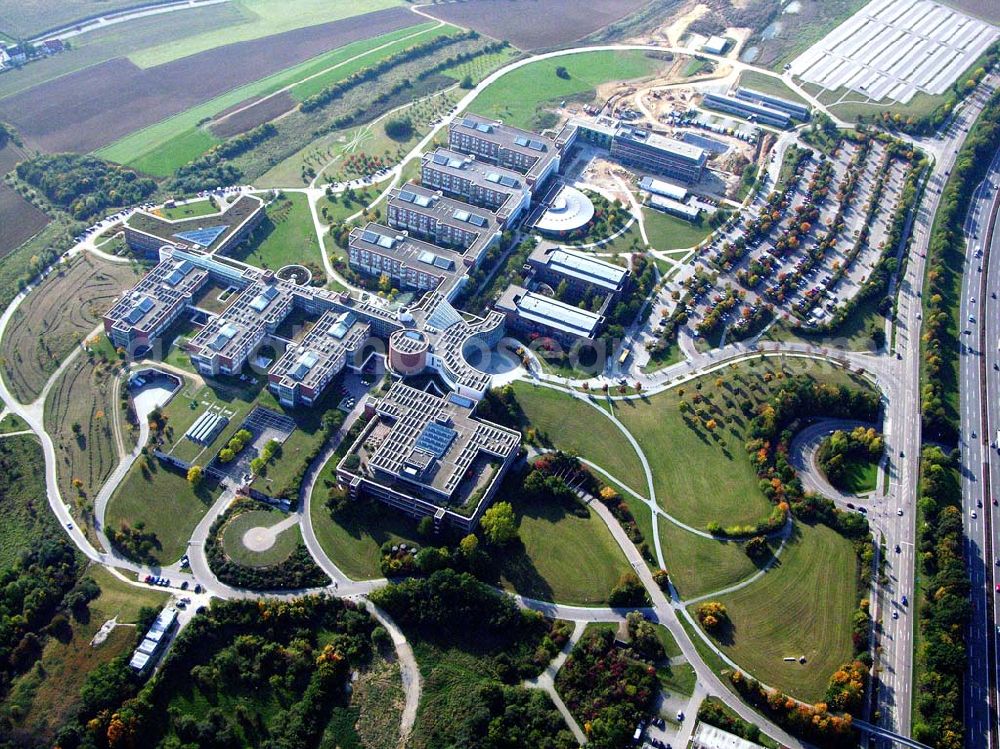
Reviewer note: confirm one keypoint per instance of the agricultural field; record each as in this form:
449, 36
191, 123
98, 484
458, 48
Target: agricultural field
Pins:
79, 413
530, 25
140, 97
814, 586
161, 148
984, 9
556, 416
286, 235
41, 700
21, 220
28, 18
56, 317
519, 97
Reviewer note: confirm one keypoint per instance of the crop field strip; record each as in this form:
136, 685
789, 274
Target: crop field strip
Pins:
28, 18
67, 306
530, 25
172, 142
21, 219
140, 97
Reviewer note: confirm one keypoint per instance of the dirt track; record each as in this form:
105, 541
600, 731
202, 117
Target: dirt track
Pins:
87, 110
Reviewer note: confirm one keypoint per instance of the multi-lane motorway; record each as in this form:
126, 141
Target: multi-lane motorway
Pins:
980, 420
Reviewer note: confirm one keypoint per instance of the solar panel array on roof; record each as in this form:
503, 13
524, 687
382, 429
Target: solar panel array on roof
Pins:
385, 242
507, 181
306, 362
536, 145
436, 439
411, 197
224, 336
264, 298
484, 128
369, 236
460, 400
178, 273
143, 306
202, 237
521, 141
439, 159
462, 215
493, 177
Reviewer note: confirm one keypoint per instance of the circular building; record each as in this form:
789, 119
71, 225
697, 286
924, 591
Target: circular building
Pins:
408, 350
570, 210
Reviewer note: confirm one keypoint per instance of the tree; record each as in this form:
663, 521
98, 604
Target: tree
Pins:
712, 615
426, 527
561, 72
499, 524
399, 128
195, 475
469, 545
467, 82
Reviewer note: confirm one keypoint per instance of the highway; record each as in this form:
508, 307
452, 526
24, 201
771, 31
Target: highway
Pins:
980, 466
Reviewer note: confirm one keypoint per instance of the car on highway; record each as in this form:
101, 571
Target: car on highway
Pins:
899, 511
905, 601
974, 514
898, 550
895, 614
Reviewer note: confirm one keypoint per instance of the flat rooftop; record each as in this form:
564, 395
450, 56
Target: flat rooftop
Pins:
430, 441
676, 148
479, 172
535, 148
157, 295
549, 312
446, 211
582, 266
204, 233
421, 256
323, 348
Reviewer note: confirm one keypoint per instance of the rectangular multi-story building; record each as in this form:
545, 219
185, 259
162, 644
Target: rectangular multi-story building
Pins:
747, 109
306, 368
141, 316
146, 233
457, 175
582, 272
535, 156
428, 456
429, 215
226, 342
532, 313
375, 250
658, 154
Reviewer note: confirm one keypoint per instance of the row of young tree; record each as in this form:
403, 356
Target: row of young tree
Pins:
946, 261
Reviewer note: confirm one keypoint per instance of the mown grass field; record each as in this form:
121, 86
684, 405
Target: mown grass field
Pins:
163, 501
192, 209
23, 501
284, 543
518, 97
768, 85
699, 565
161, 148
41, 700
12, 423
666, 232
286, 235
56, 316
574, 426
860, 476
802, 607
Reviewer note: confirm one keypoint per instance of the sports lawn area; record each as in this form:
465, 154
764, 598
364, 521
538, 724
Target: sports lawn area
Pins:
161, 148
576, 427
44, 698
802, 607
519, 97
286, 235
666, 232
700, 565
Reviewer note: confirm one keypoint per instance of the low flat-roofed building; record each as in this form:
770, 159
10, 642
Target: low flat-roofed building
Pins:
427, 214
793, 108
530, 313
659, 187
151, 647
710, 737
227, 340
535, 156
749, 110
412, 264
143, 314
428, 456
596, 132
581, 271
146, 233
715, 45
675, 207
655, 153
306, 368
465, 177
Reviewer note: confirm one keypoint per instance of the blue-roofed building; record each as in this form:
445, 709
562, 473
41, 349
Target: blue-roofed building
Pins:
535, 156
534, 314
582, 272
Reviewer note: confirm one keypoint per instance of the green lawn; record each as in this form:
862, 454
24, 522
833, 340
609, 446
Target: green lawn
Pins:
27, 518
518, 96
165, 503
560, 557
265, 18
560, 416
699, 565
284, 544
803, 607
159, 149
337, 208
286, 235
680, 679
666, 232
860, 476
768, 84
192, 209
12, 423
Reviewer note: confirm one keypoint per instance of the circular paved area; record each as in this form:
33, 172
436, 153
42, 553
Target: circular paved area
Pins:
259, 539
